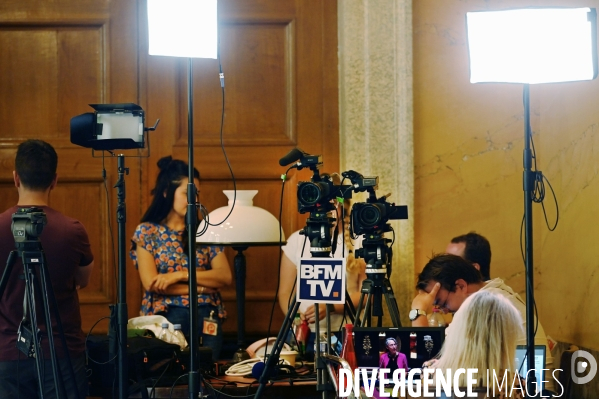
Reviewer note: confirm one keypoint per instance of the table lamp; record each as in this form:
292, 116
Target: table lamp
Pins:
247, 226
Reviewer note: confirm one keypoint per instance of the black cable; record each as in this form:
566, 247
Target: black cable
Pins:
87, 339
276, 296
222, 145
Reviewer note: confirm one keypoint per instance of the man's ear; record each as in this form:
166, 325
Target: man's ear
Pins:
477, 266
16, 179
461, 285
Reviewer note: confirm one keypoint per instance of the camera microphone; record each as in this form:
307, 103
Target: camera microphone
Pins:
292, 156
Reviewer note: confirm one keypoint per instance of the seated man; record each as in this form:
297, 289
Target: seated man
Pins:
447, 280
475, 249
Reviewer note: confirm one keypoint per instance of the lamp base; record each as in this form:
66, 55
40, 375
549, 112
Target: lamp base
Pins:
240, 355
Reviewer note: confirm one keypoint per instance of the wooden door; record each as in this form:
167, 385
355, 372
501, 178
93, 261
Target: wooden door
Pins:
279, 59
55, 59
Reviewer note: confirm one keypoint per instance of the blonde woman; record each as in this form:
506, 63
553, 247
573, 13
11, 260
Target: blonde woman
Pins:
484, 335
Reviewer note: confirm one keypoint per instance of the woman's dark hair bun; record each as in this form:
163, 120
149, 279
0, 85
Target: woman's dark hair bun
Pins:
164, 162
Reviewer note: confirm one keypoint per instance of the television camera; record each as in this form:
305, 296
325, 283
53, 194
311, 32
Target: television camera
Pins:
317, 198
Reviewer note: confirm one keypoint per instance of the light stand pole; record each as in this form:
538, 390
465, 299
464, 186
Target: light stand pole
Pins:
529, 185
194, 375
240, 275
121, 308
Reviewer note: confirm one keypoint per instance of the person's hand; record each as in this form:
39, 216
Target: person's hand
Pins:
310, 314
425, 300
430, 364
162, 281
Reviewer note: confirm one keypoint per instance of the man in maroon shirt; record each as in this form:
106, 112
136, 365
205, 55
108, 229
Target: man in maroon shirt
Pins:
69, 261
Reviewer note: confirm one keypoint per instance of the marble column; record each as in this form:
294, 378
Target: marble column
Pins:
375, 116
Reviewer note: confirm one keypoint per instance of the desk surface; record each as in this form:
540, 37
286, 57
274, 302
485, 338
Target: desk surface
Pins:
300, 386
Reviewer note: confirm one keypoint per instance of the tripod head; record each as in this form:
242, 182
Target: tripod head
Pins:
27, 226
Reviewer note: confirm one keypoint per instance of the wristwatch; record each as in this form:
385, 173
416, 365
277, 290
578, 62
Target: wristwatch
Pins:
415, 313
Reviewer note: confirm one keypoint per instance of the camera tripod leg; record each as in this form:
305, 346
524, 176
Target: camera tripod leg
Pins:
30, 260
374, 293
366, 292
12, 257
273, 358
391, 303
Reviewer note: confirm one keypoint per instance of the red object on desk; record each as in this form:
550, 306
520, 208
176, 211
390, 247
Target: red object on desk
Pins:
349, 352
301, 334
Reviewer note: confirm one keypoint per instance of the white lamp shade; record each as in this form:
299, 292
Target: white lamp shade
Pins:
247, 224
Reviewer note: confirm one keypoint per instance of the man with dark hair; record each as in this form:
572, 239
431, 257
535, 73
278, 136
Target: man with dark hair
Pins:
447, 280
474, 248
69, 262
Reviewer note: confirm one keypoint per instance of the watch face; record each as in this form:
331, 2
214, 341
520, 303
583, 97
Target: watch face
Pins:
413, 314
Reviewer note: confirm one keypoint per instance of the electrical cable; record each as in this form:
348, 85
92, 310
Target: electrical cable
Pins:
276, 296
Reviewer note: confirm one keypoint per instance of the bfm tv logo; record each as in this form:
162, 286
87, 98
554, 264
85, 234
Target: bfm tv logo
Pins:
321, 280
579, 367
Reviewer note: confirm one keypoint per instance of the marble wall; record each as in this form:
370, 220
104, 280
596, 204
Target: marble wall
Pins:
468, 143
452, 151
375, 116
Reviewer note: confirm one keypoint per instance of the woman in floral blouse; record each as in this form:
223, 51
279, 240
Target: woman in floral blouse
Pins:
159, 252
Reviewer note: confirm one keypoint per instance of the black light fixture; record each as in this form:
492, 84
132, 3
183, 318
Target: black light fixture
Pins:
532, 46
110, 127
115, 127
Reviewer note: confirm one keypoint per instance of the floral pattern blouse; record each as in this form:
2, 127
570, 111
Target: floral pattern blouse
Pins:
166, 246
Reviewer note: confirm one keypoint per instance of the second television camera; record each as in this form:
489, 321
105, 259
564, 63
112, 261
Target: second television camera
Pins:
372, 216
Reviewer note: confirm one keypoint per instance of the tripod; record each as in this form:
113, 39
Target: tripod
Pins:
29, 334
377, 255
318, 229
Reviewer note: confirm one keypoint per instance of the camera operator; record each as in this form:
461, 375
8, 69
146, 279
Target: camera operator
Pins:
69, 261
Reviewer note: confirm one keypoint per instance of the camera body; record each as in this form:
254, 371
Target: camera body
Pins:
372, 217
316, 195
28, 224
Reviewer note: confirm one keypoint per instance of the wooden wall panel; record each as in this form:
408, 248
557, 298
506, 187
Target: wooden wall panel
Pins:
258, 83
55, 59
39, 100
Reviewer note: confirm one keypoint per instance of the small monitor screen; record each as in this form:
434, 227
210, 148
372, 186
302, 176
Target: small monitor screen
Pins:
522, 362
417, 344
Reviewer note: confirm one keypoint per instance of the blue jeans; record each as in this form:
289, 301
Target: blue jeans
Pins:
180, 315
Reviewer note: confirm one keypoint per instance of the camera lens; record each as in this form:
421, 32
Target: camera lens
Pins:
370, 215
311, 193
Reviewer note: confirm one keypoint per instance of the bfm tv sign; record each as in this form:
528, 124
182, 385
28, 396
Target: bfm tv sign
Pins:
321, 280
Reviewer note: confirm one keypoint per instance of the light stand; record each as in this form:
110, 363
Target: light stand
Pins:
240, 273
191, 216
111, 127
532, 45
121, 307
528, 180
186, 28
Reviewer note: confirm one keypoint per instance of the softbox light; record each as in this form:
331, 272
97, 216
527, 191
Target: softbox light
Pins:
183, 28
110, 127
532, 45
